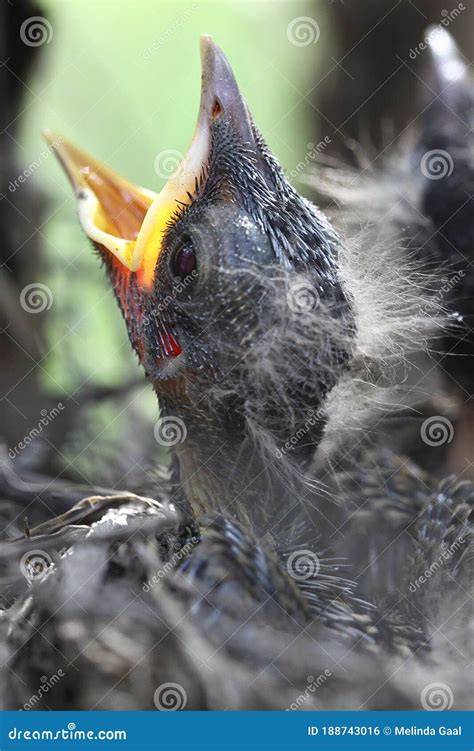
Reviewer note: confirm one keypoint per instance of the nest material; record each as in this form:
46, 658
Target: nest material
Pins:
129, 595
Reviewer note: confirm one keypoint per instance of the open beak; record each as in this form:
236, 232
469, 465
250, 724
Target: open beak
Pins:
130, 221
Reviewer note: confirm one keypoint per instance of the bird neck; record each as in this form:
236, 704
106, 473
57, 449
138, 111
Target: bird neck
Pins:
218, 470
222, 471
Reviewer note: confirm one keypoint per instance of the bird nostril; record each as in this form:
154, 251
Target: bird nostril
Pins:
216, 109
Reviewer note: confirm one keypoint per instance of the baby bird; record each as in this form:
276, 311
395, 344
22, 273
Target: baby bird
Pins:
271, 548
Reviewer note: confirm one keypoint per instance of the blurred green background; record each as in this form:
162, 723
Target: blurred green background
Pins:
122, 79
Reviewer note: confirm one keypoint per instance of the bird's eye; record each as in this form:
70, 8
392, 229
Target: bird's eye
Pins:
183, 261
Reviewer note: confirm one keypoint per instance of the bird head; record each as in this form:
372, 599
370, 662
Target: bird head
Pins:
227, 278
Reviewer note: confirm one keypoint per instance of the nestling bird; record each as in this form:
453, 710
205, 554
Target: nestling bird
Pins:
254, 324
195, 270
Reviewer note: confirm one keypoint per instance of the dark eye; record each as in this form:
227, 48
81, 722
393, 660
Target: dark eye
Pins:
183, 261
